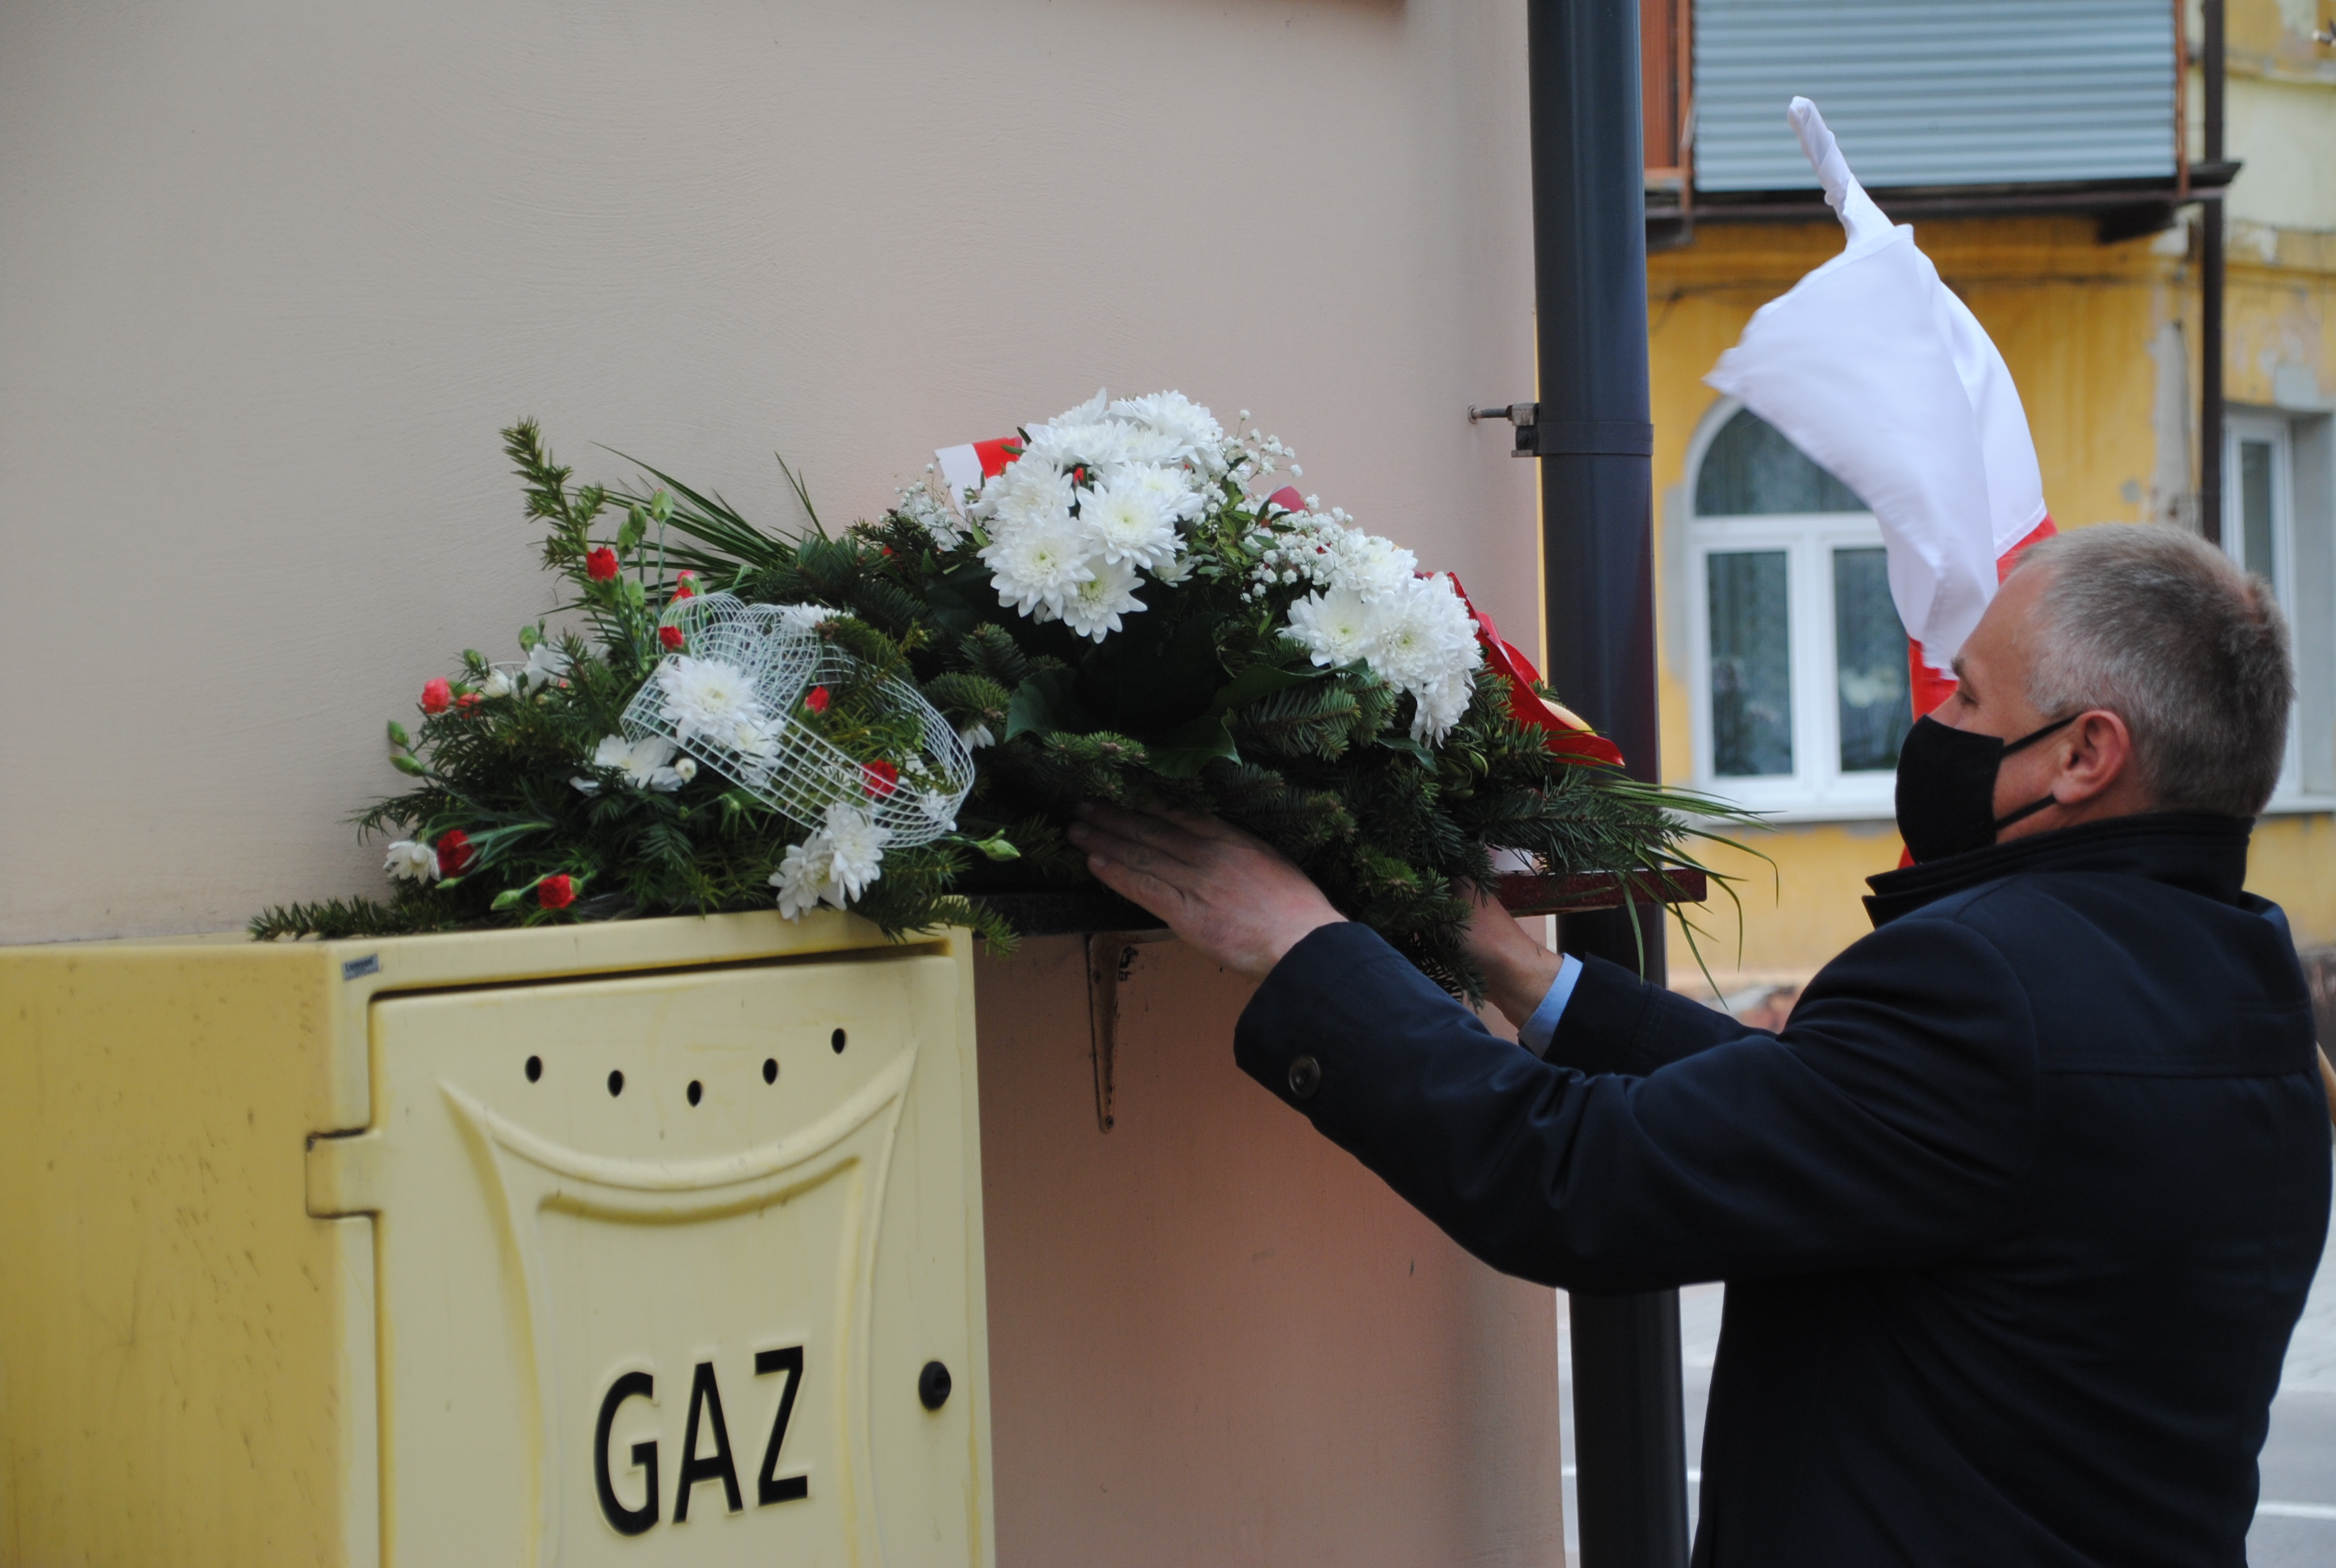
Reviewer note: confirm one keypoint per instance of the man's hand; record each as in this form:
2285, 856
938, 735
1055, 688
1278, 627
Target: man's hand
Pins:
1232, 896
1518, 971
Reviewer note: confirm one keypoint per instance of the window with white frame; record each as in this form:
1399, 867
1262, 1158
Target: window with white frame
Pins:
2277, 523
1799, 660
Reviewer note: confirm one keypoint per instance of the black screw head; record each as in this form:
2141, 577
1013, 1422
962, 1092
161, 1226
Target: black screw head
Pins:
836, 1039
1305, 1077
534, 1068
696, 1091
616, 1084
770, 1070
933, 1386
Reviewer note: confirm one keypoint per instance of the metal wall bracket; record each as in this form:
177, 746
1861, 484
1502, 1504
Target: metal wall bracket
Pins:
1109, 955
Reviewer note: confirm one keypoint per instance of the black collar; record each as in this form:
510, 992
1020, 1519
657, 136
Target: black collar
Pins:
2192, 850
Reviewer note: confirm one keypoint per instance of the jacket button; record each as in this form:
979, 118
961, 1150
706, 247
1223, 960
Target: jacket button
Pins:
1305, 1077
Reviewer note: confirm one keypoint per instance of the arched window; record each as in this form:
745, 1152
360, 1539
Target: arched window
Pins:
1800, 661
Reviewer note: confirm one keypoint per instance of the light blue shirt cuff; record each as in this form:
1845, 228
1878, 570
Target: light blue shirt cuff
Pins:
1535, 1034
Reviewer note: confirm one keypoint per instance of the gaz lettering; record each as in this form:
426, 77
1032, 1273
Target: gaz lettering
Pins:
704, 1411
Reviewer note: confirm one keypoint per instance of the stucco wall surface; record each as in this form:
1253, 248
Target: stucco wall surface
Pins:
273, 275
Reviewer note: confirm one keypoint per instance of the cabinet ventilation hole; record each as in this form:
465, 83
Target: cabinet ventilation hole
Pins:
534, 1068
616, 1083
836, 1039
770, 1070
696, 1091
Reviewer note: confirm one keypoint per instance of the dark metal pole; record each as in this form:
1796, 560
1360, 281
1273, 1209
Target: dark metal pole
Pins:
2210, 289
1592, 436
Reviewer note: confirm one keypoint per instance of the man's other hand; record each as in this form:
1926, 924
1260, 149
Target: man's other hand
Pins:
1234, 897
1518, 971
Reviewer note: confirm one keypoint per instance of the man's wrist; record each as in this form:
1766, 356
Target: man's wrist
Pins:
1518, 977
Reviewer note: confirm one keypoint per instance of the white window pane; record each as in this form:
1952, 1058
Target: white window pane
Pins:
1751, 664
1870, 662
2256, 510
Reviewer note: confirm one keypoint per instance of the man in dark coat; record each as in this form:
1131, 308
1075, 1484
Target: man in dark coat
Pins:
2018, 1209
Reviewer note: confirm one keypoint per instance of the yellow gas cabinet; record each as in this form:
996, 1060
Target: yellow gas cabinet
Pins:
650, 1242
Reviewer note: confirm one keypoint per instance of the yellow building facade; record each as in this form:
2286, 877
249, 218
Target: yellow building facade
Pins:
2101, 339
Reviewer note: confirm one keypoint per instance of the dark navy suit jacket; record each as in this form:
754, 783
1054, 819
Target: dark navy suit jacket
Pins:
2017, 1213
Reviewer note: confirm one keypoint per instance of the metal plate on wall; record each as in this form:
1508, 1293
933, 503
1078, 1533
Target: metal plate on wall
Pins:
664, 1261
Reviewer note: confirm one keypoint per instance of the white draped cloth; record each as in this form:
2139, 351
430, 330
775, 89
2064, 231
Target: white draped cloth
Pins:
1873, 367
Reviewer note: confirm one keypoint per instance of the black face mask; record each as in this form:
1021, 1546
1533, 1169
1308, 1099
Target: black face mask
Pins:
1946, 788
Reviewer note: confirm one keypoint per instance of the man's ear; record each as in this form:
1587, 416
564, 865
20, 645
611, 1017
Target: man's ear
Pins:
2098, 752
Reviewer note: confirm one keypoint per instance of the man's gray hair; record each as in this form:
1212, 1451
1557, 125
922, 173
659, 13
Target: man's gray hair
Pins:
2161, 629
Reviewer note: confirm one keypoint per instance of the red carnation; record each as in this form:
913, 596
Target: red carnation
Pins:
671, 637
600, 563
816, 699
685, 586
466, 702
882, 778
455, 852
437, 695
556, 893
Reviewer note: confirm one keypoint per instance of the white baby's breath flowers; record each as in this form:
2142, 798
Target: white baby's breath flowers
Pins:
411, 860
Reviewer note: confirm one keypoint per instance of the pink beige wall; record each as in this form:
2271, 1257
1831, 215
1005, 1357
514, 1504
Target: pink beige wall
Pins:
273, 275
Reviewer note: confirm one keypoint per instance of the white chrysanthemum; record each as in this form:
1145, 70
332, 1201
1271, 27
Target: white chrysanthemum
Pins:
1177, 571
940, 810
1441, 705
1336, 628
411, 860
644, 763
1127, 522
855, 847
1026, 494
545, 665
1036, 566
1427, 647
802, 877
1093, 607
806, 617
707, 697
1192, 429
1171, 487
1370, 566
752, 737
1100, 445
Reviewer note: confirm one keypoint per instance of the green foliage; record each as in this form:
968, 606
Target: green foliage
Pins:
1198, 703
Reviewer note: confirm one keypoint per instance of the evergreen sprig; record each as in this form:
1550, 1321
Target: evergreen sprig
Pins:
1201, 704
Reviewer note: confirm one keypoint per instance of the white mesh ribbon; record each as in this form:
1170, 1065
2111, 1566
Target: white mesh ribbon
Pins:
729, 696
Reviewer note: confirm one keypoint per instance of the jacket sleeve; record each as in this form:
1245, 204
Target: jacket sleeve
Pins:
1616, 1022
1885, 1127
